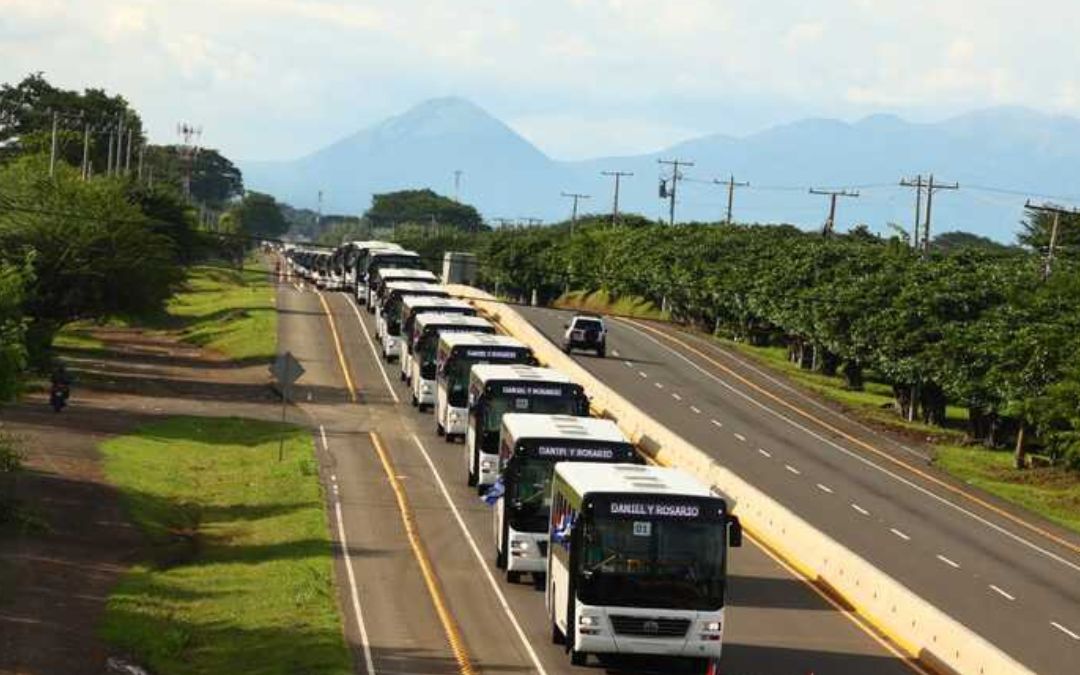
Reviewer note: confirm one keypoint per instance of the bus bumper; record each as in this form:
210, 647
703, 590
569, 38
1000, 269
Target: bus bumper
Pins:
597, 632
425, 389
527, 551
457, 420
489, 469
391, 346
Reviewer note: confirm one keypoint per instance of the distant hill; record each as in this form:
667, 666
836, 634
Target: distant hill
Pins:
506, 176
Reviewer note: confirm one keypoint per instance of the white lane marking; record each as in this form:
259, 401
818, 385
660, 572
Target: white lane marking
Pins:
658, 385
860, 509
333, 477
1065, 630
824, 488
899, 534
716, 423
628, 364
950, 563
793, 470
369, 665
1001, 592
740, 437
695, 409
374, 351
764, 452
854, 455
642, 373
615, 353
322, 432
676, 396
480, 559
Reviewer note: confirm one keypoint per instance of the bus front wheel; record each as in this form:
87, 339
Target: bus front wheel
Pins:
578, 658
557, 637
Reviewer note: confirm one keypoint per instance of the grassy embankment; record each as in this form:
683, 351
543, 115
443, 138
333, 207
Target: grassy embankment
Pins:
600, 301
220, 308
237, 574
1052, 492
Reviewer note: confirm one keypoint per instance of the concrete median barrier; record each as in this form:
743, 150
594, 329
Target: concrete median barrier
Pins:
928, 634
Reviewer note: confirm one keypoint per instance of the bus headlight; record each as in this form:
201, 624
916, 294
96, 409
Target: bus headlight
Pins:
710, 631
712, 626
425, 388
487, 464
519, 546
454, 417
589, 625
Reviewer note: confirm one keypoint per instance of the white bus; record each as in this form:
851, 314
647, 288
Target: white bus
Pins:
413, 306
529, 447
355, 262
384, 259
456, 355
424, 346
391, 274
638, 563
389, 316
495, 389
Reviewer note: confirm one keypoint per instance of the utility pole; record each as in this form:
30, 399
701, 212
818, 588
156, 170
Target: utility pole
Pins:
930, 187
573, 214
731, 185
189, 136
52, 153
1055, 229
615, 208
457, 184
119, 158
918, 185
127, 162
109, 161
675, 164
830, 223
86, 152
142, 154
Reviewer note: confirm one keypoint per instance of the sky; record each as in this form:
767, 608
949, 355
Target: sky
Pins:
277, 79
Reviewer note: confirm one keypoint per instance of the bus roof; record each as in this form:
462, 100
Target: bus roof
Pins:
383, 252
404, 287
516, 371
586, 477
452, 340
425, 319
435, 303
518, 426
375, 244
389, 274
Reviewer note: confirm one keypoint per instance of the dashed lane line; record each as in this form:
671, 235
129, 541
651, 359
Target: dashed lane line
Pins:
354, 594
658, 385
764, 453
824, 488
793, 470
642, 373
717, 423
899, 534
676, 396
860, 509
951, 563
740, 437
1065, 630
1002, 593
481, 560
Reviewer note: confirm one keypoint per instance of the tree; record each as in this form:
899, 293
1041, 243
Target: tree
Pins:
215, 180
259, 215
1035, 234
421, 207
13, 282
950, 242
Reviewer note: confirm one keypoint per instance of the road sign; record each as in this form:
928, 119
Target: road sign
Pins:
286, 369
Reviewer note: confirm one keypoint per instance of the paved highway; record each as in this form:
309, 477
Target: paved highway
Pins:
1011, 577
777, 623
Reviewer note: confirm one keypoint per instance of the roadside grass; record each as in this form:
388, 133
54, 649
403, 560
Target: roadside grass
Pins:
1050, 491
602, 302
237, 573
873, 404
78, 336
229, 311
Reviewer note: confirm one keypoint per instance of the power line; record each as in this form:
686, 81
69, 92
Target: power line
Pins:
675, 164
830, 222
615, 207
731, 185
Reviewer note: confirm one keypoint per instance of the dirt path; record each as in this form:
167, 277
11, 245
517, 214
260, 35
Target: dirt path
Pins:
53, 586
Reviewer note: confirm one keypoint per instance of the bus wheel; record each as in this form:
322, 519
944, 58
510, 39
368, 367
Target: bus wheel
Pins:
557, 637
439, 429
500, 559
513, 577
578, 658
472, 478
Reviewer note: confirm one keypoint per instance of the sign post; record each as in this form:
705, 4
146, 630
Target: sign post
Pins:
285, 370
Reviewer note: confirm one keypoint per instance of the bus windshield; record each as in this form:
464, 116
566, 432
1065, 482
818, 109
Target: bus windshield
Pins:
667, 564
529, 493
498, 404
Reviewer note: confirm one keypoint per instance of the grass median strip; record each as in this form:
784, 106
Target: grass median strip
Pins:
237, 575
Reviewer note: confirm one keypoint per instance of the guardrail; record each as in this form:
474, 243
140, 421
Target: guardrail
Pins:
928, 634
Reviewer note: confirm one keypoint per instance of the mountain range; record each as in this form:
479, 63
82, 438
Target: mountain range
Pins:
998, 156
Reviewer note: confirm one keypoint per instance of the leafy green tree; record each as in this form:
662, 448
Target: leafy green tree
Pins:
13, 282
949, 242
215, 180
1035, 232
259, 215
421, 207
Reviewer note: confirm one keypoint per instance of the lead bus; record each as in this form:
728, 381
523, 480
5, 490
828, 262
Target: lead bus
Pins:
498, 389
529, 447
413, 306
638, 563
424, 346
456, 355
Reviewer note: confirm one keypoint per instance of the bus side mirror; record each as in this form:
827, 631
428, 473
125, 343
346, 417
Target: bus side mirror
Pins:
734, 532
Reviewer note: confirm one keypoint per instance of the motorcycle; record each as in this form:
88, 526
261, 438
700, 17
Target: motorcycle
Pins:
58, 396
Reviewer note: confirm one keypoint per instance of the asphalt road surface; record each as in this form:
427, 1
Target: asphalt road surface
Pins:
1009, 575
777, 623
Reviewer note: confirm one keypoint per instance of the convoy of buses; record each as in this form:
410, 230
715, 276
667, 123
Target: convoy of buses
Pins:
632, 557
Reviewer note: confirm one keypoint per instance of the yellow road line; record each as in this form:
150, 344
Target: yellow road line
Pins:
866, 446
450, 627
337, 345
